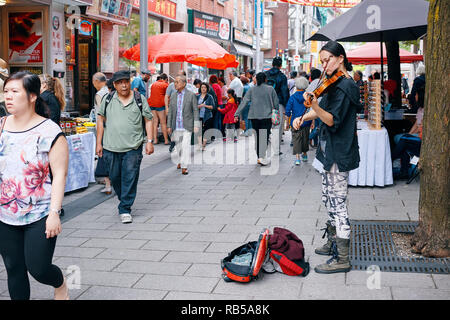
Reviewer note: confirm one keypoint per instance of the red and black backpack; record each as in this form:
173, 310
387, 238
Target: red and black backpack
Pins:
247, 270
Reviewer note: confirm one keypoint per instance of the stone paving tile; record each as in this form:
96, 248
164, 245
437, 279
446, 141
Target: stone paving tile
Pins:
194, 227
204, 270
113, 279
393, 279
107, 234
178, 295
114, 243
184, 246
145, 235
177, 220
423, 294
129, 254
95, 264
216, 237
177, 283
114, 293
61, 251
333, 291
150, 267
188, 257
442, 281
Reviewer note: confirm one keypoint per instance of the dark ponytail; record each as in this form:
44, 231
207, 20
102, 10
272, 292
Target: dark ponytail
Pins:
336, 49
32, 85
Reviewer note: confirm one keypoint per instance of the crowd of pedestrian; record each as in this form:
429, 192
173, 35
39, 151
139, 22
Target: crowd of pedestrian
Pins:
130, 115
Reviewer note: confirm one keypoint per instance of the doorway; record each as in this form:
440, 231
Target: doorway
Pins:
86, 56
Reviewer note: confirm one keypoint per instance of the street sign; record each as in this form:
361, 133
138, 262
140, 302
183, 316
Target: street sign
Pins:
296, 60
261, 15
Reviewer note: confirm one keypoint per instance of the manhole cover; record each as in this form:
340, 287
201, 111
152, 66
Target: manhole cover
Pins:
372, 245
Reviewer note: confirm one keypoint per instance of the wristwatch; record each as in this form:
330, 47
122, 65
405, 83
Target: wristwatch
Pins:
150, 141
58, 212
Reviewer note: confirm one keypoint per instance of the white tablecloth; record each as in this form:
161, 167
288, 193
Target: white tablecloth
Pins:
375, 167
81, 161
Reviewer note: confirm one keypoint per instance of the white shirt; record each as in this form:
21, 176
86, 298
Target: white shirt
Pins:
237, 86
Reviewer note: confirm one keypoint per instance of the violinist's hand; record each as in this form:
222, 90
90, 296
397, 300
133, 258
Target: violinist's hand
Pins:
310, 100
297, 123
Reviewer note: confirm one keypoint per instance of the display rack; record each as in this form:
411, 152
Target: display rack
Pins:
374, 104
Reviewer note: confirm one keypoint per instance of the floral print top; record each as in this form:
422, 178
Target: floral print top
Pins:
25, 187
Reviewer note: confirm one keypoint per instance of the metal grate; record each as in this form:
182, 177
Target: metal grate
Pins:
372, 244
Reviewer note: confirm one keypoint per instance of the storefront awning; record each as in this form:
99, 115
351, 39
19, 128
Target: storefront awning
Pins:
242, 50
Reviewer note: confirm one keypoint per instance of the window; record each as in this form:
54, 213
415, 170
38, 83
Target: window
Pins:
303, 33
250, 21
235, 13
291, 32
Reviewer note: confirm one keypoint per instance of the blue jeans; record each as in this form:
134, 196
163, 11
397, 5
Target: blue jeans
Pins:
248, 123
124, 174
314, 135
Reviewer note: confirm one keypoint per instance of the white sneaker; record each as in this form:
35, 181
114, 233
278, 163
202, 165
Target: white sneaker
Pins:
264, 161
126, 218
106, 190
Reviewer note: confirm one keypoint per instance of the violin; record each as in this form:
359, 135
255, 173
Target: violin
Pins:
323, 86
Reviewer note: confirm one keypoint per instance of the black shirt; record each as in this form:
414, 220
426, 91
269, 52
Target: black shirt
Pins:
53, 105
339, 143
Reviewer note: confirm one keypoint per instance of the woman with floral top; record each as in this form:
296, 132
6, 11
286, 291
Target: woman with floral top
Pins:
33, 168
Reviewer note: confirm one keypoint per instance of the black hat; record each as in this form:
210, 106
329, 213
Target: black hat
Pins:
120, 75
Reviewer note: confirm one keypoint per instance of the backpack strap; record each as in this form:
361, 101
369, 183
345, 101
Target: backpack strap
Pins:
138, 99
109, 97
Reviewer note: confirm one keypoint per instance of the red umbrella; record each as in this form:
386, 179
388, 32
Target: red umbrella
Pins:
370, 54
184, 46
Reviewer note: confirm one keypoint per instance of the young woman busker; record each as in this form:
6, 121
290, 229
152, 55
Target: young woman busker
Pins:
337, 153
33, 166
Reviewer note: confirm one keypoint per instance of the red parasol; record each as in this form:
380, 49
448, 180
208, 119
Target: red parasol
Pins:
370, 54
184, 46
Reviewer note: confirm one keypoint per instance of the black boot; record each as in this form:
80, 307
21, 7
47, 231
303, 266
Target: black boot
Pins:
340, 262
330, 232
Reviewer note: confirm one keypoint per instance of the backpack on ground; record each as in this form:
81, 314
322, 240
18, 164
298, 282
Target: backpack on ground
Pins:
244, 263
286, 254
278, 262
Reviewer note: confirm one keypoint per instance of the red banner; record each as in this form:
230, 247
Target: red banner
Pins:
25, 37
323, 3
163, 8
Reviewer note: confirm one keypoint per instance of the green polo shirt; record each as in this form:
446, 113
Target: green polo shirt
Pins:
123, 131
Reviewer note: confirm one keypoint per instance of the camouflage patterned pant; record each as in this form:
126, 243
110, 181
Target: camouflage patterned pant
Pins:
334, 197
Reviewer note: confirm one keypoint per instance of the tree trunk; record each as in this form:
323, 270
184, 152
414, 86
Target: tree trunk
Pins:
394, 73
432, 235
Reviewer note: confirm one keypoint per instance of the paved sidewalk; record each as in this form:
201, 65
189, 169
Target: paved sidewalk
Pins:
184, 225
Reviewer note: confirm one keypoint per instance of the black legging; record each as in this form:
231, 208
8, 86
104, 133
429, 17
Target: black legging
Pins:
262, 127
25, 248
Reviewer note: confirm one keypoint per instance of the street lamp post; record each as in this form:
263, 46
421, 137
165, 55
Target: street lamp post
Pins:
258, 36
143, 34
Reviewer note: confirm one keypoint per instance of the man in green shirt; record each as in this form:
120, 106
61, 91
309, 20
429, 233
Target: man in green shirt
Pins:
119, 127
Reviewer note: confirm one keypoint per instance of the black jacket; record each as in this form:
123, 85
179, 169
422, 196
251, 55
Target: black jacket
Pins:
418, 83
281, 86
339, 143
53, 106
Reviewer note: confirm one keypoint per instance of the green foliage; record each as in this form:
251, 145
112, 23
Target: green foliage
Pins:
406, 45
129, 35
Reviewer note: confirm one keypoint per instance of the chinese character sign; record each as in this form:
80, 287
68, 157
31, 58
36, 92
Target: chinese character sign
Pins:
57, 42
